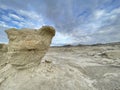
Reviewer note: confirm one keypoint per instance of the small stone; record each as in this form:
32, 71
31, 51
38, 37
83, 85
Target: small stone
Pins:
48, 61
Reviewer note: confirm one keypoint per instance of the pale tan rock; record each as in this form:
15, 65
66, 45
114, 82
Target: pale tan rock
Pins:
3, 47
3, 51
27, 46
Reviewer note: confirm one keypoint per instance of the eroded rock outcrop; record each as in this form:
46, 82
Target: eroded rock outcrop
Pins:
27, 46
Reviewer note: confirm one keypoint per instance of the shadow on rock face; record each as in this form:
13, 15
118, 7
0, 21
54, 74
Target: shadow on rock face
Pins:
27, 46
3, 47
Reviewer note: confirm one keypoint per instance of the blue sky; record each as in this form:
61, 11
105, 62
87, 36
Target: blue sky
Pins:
75, 21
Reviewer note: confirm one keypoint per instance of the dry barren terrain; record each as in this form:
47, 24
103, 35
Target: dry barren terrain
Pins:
95, 67
100, 63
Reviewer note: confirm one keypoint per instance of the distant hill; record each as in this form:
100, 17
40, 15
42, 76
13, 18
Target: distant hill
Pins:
97, 44
112, 43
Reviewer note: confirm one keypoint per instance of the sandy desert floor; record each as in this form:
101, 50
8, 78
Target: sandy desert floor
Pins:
94, 67
101, 64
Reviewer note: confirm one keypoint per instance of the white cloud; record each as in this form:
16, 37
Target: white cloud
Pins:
117, 11
32, 15
14, 16
104, 14
3, 24
62, 39
6, 18
99, 13
32, 20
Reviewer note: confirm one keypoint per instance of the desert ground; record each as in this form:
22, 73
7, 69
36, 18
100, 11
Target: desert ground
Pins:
99, 63
89, 67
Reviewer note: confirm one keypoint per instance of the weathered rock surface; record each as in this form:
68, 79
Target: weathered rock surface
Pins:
3, 48
114, 54
3, 51
45, 77
27, 47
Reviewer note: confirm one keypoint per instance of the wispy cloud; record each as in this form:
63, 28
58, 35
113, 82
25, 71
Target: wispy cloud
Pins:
76, 21
20, 18
14, 16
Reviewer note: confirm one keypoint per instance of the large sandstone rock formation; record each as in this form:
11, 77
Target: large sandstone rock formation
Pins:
27, 47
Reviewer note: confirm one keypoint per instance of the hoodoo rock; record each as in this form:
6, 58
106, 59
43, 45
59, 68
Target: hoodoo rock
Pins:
27, 46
